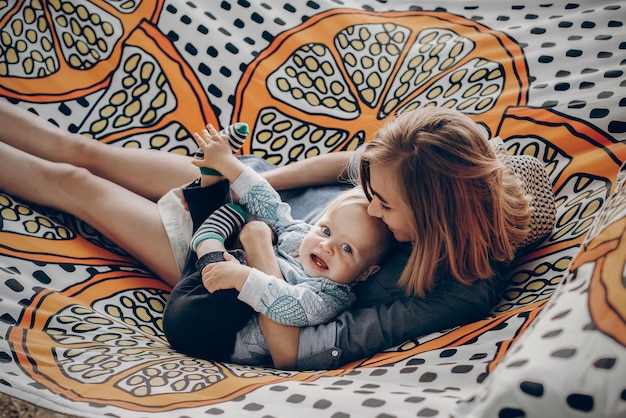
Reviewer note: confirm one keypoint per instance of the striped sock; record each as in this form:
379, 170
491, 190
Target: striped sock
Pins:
220, 225
237, 134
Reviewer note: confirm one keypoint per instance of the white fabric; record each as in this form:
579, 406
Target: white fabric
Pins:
178, 225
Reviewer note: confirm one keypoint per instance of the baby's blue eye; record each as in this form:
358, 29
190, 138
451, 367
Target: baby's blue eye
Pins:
325, 230
346, 248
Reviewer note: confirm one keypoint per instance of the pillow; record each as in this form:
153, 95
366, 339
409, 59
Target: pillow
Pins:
572, 359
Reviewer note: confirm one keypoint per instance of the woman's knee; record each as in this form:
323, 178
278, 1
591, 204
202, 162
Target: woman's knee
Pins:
71, 178
191, 327
183, 322
63, 184
203, 324
81, 151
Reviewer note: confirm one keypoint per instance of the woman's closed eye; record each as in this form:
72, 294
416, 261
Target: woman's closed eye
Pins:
381, 204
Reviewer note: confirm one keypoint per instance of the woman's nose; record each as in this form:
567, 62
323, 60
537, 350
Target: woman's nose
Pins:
373, 209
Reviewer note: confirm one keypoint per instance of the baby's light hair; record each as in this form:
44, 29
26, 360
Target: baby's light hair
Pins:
351, 196
356, 196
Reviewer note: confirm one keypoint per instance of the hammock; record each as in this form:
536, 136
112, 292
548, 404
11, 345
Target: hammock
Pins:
80, 320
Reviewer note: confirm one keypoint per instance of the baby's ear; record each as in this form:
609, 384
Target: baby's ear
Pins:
368, 272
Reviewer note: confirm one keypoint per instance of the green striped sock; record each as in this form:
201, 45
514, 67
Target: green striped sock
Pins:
220, 225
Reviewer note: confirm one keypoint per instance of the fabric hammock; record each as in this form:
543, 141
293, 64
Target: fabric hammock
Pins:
80, 320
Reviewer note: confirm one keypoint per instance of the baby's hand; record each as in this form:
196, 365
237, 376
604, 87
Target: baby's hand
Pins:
216, 148
229, 274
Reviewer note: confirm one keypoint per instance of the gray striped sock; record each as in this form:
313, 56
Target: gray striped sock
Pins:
220, 225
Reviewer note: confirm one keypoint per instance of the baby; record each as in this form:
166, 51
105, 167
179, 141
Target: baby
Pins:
319, 263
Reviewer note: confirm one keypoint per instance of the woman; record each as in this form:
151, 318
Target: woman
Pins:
464, 205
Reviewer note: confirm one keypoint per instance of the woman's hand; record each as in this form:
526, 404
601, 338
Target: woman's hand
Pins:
229, 274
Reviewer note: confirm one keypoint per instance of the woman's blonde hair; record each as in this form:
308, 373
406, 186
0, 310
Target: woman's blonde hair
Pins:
468, 207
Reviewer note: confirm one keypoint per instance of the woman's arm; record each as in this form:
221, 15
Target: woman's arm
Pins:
282, 340
361, 333
323, 169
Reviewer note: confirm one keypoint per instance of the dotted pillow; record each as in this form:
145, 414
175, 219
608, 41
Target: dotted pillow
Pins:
572, 359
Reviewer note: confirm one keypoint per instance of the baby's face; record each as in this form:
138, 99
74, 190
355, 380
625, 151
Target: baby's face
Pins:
342, 246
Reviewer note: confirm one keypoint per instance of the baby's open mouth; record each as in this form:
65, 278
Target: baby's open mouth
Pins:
318, 262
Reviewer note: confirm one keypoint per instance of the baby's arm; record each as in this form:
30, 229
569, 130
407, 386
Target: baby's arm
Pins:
301, 305
257, 241
263, 202
307, 303
229, 274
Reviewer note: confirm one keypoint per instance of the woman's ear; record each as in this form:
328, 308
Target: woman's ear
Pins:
367, 273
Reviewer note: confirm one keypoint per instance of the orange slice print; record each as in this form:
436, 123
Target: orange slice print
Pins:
607, 293
114, 352
604, 248
55, 50
581, 160
329, 84
153, 100
42, 237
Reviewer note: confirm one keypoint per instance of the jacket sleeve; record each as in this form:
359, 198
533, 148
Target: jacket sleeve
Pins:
259, 199
307, 303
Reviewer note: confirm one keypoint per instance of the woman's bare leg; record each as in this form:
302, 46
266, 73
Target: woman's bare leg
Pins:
148, 173
130, 220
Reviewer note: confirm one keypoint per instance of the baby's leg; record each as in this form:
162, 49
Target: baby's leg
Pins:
203, 324
146, 172
217, 228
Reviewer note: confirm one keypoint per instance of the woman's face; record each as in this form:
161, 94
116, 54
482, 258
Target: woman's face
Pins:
388, 201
